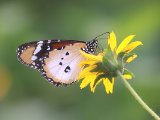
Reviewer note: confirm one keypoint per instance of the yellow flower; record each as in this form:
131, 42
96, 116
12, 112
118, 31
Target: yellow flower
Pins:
104, 66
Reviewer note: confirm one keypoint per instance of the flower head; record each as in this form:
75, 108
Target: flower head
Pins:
104, 66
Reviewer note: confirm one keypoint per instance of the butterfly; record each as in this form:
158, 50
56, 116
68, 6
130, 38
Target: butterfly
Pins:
56, 60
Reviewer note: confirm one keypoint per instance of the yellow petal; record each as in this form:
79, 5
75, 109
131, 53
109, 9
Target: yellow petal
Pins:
111, 85
87, 62
92, 57
85, 71
127, 76
93, 85
87, 80
132, 46
131, 58
124, 43
108, 85
112, 42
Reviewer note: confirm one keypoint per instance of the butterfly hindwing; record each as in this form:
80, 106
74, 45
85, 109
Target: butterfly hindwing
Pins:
62, 65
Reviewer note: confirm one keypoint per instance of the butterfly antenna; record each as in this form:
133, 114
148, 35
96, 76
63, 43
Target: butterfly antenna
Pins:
100, 48
101, 35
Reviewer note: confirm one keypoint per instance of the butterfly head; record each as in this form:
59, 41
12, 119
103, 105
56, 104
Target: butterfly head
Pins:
93, 45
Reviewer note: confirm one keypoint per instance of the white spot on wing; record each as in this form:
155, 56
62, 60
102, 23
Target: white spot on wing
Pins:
34, 58
38, 48
49, 41
40, 42
48, 48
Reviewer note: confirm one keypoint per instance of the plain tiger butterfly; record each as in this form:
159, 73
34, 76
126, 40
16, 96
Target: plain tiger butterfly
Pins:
56, 60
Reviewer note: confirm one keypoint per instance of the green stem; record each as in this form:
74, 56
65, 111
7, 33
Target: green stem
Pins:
138, 98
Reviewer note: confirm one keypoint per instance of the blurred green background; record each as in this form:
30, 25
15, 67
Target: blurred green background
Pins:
25, 95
